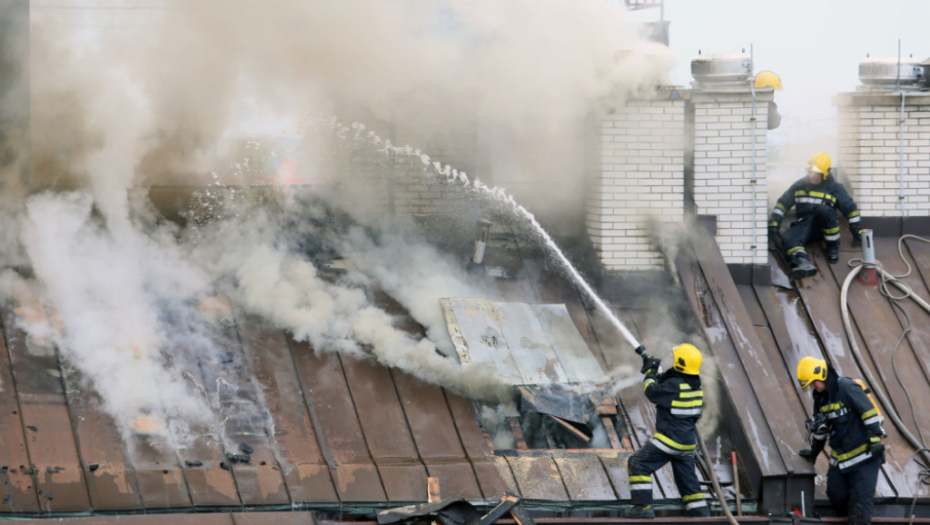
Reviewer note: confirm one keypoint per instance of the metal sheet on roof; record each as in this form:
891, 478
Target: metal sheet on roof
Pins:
576, 358
527, 344
481, 339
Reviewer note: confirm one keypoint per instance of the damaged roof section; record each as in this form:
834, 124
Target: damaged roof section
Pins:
527, 344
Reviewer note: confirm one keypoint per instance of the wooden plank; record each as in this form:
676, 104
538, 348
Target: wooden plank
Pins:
435, 435
112, 484
56, 467
336, 422
19, 494
585, 479
821, 296
297, 450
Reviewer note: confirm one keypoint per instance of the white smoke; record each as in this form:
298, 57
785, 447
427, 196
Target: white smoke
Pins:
192, 97
107, 293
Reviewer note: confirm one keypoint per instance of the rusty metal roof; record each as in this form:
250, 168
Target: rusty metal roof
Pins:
351, 435
348, 433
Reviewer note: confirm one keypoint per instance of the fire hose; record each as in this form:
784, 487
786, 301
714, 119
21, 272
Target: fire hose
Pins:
713, 478
886, 277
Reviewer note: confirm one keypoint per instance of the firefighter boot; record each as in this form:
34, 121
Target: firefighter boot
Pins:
642, 512
801, 266
833, 252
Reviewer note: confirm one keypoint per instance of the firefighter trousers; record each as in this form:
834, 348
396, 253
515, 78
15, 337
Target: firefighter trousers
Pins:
852, 493
649, 459
822, 224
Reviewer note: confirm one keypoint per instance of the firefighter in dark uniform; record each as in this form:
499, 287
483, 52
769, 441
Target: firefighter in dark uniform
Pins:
678, 398
846, 415
816, 197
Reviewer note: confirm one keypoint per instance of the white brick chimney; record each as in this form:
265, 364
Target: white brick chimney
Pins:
659, 156
871, 147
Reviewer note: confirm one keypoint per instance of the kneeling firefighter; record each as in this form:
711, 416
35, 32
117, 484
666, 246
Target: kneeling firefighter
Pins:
817, 196
678, 398
846, 414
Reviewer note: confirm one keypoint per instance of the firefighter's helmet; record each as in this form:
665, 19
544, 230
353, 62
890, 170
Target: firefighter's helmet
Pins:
820, 163
811, 369
767, 79
687, 359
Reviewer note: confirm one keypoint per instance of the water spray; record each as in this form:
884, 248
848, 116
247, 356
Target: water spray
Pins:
497, 194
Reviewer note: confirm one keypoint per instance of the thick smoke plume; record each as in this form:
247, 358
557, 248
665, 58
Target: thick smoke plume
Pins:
209, 93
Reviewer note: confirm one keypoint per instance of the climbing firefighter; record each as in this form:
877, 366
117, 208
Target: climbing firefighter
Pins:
846, 414
817, 197
678, 398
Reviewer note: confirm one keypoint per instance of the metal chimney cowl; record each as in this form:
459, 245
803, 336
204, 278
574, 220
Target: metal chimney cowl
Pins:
721, 68
886, 72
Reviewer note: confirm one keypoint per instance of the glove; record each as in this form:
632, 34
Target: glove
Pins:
877, 449
809, 455
857, 238
650, 363
652, 373
774, 236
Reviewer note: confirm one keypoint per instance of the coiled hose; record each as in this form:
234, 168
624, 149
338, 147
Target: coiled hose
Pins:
918, 443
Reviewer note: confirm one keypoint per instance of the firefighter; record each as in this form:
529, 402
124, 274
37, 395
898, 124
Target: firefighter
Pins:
816, 197
847, 416
678, 398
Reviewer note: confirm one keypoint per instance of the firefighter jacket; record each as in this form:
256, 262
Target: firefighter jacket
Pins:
853, 421
807, 197
679, 399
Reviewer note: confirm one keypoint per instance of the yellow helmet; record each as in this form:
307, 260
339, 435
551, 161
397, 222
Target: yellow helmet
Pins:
811, 369
767, 79
687, 359
820, 163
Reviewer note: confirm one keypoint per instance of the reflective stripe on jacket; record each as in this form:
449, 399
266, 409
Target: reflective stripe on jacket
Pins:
853, 421
807, 197
679, 400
